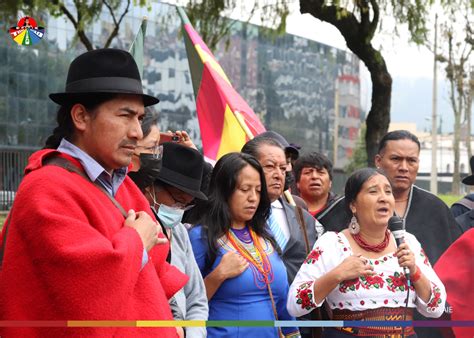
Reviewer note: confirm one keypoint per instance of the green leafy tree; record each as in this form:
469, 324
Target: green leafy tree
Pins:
358, 21
457, 36
359, 157
210, 17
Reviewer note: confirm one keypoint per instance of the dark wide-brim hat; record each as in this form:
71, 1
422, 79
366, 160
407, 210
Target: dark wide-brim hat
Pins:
182, 168
107, 71
469, 180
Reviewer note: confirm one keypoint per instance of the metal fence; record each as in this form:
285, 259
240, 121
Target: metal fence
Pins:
13, 161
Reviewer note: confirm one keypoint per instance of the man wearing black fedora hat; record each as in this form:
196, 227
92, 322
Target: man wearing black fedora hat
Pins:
81, 241
176, 186
466, 203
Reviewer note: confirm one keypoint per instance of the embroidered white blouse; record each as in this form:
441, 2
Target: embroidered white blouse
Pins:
386, 288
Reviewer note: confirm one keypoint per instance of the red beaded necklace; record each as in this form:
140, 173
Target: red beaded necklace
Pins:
369, 247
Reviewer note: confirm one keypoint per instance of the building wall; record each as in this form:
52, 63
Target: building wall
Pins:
289, 81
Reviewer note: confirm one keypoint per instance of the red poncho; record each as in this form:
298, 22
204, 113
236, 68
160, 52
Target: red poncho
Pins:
455, 268
68, 256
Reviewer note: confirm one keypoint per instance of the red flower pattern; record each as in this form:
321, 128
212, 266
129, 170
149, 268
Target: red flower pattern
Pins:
397, 282
436, 297
349, 285
313, 256
375, 281
304, 295
423, 255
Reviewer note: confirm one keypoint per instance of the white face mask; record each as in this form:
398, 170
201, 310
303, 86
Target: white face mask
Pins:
170, 216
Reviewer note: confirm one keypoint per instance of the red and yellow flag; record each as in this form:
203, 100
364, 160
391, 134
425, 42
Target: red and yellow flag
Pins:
226, 121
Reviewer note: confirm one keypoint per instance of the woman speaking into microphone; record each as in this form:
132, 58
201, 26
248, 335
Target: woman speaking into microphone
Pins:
360, 271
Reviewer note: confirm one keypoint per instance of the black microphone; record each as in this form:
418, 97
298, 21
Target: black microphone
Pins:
397, 227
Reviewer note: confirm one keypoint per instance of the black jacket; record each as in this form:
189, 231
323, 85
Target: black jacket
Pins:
466, 220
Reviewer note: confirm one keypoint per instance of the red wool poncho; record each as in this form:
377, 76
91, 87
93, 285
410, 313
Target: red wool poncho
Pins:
68, 256
455, 268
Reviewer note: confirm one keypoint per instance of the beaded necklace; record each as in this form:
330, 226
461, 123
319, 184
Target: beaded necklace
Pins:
256, 256
369, 247
258, 260
243, 235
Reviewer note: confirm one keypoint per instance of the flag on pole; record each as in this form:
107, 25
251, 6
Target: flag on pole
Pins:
226, 121
137, 46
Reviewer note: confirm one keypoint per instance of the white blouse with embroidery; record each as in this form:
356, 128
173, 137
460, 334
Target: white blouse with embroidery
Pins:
386, 288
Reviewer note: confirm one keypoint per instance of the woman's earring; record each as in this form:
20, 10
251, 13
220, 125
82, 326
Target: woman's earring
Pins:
354, 227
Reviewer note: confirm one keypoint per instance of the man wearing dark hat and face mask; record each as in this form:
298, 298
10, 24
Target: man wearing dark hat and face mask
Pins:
176, 186
81, 241
146, 160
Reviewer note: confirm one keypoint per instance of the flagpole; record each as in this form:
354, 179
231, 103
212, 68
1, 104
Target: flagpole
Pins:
434, 133
137, 46
243, 125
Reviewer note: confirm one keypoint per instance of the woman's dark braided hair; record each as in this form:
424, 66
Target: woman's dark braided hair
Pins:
65, 128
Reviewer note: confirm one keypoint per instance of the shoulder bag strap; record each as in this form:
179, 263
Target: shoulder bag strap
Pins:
316, 313
63, 163
300, 219
275, 313
66, 164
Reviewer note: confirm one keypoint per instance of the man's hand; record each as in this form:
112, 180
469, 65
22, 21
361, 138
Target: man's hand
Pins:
147, 228
184, 139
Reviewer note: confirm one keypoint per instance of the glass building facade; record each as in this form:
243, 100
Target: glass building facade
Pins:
289, 81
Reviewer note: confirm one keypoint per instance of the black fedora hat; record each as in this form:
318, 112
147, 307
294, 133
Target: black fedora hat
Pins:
182, 168
469, 180
106, 70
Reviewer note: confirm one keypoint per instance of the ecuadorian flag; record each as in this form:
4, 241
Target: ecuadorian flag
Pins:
226, 121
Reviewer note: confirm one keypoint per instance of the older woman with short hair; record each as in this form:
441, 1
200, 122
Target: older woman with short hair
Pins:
359, 271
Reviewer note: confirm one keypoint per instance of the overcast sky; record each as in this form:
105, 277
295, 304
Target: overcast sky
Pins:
410, 66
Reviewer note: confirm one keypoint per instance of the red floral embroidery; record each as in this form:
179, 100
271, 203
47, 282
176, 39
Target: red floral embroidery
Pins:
313, 256
423, 255
304, 296
375, 281
349, 285
436, 297
397, 282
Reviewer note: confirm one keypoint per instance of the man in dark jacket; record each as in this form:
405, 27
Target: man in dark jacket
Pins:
466, 203
424, 214
293, 240
313, 174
